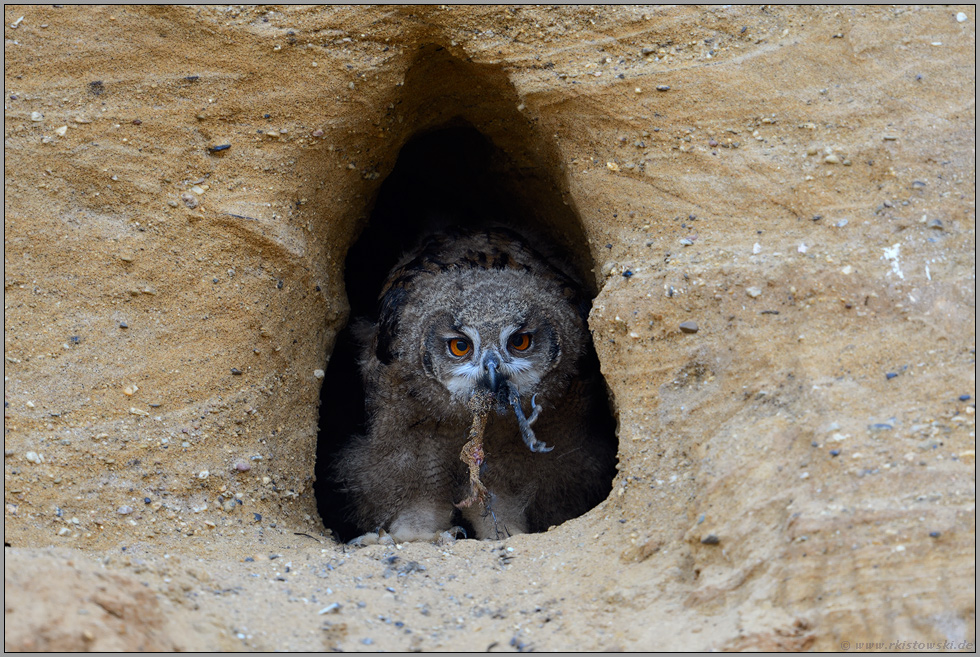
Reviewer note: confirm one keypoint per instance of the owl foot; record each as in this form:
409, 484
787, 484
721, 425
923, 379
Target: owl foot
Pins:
379, 537
451, 535
524, 423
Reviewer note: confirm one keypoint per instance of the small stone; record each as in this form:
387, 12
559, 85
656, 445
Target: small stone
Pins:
61, 131
753, 292
835, 452
129, 391
686, 241
891, 375
37, 117
831, 159
961, 17
964, 398
242, 467
612, 166
689, 327
203, 474
33, 457
663, 87
319, 374
189, 200
935, 223
236, 372
219, 148
935, 534
197, 189
123, 325
711, 539
124, 510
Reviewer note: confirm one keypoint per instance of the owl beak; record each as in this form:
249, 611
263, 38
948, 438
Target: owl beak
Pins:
492, 378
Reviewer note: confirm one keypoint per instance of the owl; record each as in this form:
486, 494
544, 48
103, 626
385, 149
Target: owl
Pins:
478, 314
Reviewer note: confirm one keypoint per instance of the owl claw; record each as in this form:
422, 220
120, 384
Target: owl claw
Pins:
451, 535
524, 423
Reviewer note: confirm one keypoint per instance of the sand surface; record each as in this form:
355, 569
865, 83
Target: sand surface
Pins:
798, 182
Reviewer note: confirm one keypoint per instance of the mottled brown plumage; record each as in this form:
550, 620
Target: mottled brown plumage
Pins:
478, 313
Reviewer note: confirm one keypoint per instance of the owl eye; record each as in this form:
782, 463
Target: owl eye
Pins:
520, 341
459, 347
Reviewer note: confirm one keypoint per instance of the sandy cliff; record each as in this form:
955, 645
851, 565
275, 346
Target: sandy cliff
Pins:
799, 182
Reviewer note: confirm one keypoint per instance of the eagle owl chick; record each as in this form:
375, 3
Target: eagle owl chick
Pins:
478, 313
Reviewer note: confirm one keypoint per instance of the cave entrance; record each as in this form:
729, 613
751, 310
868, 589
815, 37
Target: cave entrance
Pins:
449, 176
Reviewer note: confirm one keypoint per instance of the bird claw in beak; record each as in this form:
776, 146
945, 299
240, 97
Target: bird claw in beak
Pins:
524, 423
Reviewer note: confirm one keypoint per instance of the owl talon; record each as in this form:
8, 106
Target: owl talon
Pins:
451, 535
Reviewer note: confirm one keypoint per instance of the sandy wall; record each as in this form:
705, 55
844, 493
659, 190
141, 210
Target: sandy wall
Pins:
799, 182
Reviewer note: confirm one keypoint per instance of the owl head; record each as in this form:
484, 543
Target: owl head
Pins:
482, 312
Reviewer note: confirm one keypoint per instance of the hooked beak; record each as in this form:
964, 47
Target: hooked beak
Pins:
492, 378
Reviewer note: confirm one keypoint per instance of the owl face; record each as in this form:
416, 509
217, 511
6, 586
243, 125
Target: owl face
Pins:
468, 349
481, 311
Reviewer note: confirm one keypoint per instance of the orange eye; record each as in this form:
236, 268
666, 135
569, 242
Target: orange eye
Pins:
459, 347
520, 341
